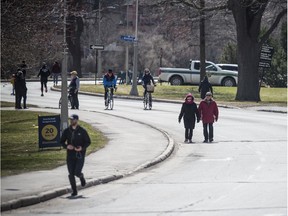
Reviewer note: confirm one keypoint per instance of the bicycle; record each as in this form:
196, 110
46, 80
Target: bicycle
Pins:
69, 101
109, 102
148, 97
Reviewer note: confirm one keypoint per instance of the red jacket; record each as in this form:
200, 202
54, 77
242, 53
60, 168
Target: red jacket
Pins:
208, 111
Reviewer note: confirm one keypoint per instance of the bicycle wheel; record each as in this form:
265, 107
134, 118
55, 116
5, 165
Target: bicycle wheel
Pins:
111, 103
146, 101
69, 101
150, 101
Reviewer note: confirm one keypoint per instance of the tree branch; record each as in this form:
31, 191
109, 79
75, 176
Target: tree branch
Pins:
273, 26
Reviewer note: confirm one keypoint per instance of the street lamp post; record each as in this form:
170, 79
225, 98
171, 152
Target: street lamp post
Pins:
134, 90
64, 99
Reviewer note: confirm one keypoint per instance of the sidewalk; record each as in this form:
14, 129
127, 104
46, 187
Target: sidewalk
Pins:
125, 154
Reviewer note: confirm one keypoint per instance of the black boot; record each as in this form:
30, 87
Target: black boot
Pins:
73, 185
83, 181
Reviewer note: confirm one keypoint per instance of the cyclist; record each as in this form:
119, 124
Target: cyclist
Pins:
109, 81
146, 80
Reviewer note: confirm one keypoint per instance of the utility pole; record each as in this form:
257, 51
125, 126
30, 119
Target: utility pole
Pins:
202, 41
99, 56
64, 99
134, 90
127, 49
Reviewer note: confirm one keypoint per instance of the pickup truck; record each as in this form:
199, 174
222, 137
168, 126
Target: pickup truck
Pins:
179, 76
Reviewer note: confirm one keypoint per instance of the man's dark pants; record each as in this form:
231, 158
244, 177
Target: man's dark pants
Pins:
75, 166
74, 101
208, 135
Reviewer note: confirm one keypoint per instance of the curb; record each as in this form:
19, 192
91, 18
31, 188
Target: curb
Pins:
48, 195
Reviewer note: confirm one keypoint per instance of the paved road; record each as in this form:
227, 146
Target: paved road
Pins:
243, 173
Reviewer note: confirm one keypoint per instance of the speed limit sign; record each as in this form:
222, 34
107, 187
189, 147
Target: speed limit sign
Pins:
49, 131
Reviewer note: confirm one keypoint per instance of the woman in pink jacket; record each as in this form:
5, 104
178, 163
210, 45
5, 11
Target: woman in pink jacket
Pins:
208, 111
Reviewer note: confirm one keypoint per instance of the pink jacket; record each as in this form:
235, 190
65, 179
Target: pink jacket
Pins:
208, 111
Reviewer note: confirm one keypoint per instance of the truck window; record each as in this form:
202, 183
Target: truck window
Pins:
197, 65
210, 67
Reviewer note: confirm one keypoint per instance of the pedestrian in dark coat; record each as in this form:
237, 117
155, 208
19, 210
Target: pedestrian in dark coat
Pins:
44, 73
204, 87
56, 71
76, 140
208, 111
190, 113
74, 87
20, 90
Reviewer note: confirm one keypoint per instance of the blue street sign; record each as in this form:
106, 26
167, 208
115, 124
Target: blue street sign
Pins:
127, 38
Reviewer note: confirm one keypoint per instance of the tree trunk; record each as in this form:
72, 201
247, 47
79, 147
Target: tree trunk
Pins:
75, 28
248, 75
248, 24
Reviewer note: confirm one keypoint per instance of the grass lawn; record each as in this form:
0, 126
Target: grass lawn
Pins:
19, 144
223, 95
11, 104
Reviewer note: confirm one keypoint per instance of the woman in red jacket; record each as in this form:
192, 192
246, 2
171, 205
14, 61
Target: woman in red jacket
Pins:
208, 111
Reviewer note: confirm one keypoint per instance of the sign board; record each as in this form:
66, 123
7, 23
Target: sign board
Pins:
97, 47
265, 64
266, 56
49, 131
127, 38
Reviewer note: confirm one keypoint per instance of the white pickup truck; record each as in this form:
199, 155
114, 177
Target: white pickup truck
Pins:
217, 76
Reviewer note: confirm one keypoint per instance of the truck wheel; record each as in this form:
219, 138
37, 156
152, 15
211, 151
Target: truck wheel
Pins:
176, 80
228, 82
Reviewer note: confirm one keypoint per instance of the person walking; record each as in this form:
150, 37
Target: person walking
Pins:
20, 90
109, 80
44, 73
208, 111
76, 140
205, 86
74, 87
56, 71
190, 113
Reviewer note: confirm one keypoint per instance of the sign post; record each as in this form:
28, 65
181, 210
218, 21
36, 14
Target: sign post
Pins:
97, 47
49, 131
127, 38
265, 61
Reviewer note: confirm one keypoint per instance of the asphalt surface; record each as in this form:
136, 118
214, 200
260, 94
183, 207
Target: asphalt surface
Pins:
244, 172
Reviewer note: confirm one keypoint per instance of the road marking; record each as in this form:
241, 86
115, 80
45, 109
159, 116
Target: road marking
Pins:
217, 159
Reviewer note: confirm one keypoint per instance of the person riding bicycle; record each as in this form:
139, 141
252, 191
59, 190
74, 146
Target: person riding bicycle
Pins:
109, 81
146, 80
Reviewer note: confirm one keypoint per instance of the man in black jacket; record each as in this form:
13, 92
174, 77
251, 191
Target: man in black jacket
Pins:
44, 73
204, 87
20, 90
76, 140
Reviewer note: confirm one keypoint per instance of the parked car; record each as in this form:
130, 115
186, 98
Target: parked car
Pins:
191, 75
231, 67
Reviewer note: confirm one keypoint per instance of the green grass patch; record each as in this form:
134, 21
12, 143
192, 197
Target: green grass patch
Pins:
11, 104
19, 144
224, 95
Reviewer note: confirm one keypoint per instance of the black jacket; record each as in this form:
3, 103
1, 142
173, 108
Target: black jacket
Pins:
204, 87
44, 73
189, 112
146, 79
77, 137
